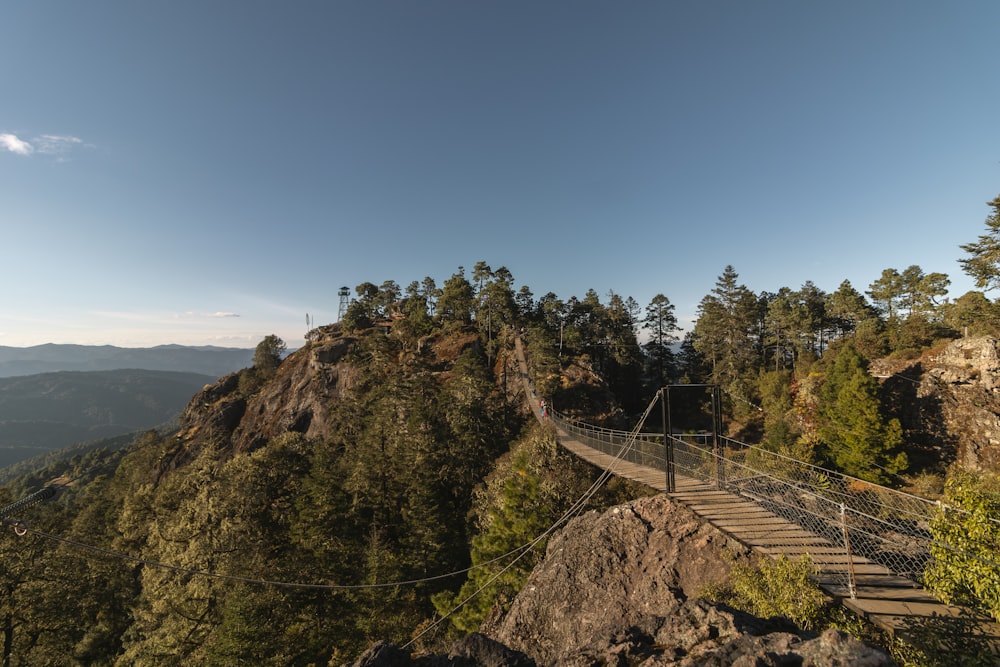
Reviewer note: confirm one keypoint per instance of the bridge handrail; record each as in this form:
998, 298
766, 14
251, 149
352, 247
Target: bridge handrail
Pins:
889, 526
844, 488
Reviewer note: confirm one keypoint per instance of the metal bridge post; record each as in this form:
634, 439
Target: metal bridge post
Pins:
668, 443
720, 464
852, 586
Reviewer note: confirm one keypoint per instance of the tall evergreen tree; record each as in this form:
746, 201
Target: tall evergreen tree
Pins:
983, 262
846, 308
457, 299
661, 323
972, 314
887, 292
857, 437
726, 334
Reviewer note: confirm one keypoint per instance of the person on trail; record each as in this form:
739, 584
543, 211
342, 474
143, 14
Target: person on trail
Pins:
543, 408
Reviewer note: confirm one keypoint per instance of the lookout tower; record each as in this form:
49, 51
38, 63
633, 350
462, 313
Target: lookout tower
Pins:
345, 296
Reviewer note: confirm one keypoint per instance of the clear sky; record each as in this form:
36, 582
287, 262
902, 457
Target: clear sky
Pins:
209, 172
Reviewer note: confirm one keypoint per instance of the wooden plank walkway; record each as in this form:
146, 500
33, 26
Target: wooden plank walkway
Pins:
892, 602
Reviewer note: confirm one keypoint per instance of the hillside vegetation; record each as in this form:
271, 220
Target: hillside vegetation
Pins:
371, 485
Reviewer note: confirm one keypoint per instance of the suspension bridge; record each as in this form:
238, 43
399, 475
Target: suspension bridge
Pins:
869, 543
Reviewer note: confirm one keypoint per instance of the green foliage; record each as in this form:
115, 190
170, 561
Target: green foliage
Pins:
847, 308
856, 437
529, 490
972, 314
910, 302
724, 332
268, 354
944, 641
784, 587
355, 317
457, 300
966, 533
661, 323
266, 359
776, 402
498, 558
543, 356
983, 263
770, 587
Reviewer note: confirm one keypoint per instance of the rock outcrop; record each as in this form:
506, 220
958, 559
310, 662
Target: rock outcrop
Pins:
620, 588
949, 401
606, 572
295, 399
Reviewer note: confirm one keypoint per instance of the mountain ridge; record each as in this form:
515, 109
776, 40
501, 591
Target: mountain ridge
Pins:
44, 412
54, 357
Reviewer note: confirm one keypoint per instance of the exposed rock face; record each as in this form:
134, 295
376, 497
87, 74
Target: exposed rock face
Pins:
605, 572
967, 373
619, 588
475, 650
701, 634
293, 400
296, 398
949, 401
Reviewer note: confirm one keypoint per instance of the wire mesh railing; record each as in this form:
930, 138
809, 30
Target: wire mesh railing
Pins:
882, 525
868, 522
646, 450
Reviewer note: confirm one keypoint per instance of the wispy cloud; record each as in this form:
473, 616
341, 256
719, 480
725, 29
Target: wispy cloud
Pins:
193, 315
14, 144
58, 145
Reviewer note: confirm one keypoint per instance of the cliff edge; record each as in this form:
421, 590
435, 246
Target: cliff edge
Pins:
621, 588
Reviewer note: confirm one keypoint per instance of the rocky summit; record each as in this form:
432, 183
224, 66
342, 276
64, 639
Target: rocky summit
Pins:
621, 588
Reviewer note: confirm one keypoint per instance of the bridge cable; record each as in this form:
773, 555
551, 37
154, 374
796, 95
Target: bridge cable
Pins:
48, 492
574, 509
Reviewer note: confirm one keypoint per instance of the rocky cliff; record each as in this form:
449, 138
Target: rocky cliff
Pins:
621, 588
949, 401
295, 399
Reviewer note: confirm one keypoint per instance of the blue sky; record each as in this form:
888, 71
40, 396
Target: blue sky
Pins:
209, 172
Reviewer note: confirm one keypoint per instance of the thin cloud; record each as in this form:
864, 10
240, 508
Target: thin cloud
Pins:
56, 144
16, 145
193, 315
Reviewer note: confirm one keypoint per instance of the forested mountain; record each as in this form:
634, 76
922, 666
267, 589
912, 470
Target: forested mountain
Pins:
46, 412
374, 483
51, 358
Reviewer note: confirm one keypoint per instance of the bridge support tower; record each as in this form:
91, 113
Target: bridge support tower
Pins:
668, 432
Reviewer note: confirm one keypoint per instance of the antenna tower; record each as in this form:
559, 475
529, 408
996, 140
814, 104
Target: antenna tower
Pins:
345, 296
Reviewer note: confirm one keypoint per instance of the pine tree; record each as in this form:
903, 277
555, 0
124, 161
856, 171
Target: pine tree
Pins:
661, 323
983, 264
457, 299
726, 335
856, 436
510, 526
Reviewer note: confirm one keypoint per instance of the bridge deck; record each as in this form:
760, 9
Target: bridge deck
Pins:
888, 600
892, 602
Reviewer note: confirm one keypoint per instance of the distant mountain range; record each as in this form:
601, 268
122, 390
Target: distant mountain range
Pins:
49, 411
49, 358
53, 396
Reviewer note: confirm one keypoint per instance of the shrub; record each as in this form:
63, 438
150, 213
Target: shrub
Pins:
769, 587
966, 540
